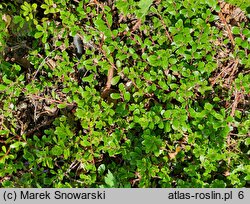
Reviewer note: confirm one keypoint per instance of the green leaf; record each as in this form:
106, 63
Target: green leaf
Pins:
118, 63
6, 80
18, 19
110, 179
218, 116
62, 105
34, 6
173, 30
101, 25
80, 113
225, 131
143, 122
218, 184
115, 80
175, 124
24, 7
17, 144
49, 162
101, 169
144, 6
2, 87
85, 143
247, 177
28, 156
57, 150
89, 78
246, 32
6, 183
208, 106
66, 153
61, 133
109, 18
247, 142
127, 96
154, 60
4, 149
212, 3
238, 40
4, 132
121, 87
179, 24
235, 30
152, 144
115, 96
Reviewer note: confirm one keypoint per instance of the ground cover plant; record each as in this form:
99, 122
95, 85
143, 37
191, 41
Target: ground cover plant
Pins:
158, 96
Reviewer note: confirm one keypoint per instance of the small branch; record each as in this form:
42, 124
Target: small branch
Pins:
237, 96
43, 62
32, 131
165, 27
230, 35
8, 151
49, 99
109, 77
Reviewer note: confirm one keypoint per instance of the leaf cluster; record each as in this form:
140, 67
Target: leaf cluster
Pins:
164, 124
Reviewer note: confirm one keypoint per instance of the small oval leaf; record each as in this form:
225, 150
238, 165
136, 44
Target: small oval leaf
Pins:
115, 80
115, 96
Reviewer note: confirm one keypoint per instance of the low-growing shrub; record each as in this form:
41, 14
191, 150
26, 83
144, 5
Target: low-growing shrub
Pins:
159, 98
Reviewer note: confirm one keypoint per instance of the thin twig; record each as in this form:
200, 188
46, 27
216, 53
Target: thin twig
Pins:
230, 35
49, 99
42, 63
